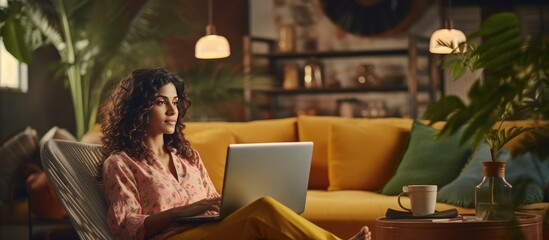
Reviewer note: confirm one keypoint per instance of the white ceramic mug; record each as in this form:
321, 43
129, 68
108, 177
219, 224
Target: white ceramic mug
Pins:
422, 197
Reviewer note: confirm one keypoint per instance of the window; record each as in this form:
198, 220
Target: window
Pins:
13, 74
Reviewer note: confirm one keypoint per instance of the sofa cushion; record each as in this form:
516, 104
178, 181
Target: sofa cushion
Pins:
316, 129
363, 156
516, 145
20, 148
428, 160
93, 136
345, 212
212, 147
272, 130
44, 203
519, 169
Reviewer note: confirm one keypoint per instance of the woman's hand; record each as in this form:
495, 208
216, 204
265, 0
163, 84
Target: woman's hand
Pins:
198, 208
156, 222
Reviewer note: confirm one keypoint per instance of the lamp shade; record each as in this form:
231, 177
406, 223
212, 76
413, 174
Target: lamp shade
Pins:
448, 36
211, 47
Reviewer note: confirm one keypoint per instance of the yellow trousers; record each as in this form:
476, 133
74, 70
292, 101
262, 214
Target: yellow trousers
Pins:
263, 219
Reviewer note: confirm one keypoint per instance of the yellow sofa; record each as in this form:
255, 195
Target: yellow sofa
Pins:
341, 198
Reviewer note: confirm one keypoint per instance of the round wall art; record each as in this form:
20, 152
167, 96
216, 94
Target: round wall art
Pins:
372, 17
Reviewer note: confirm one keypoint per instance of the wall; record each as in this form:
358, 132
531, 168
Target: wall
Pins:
46, 104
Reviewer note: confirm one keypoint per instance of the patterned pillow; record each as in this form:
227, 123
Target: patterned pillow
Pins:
16, 150
57, 133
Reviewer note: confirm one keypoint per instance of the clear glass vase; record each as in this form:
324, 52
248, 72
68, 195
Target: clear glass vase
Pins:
493, 199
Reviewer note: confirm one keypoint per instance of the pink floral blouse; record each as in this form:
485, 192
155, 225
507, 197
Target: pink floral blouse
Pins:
137, 189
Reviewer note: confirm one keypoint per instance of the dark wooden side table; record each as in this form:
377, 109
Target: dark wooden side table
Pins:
529, 225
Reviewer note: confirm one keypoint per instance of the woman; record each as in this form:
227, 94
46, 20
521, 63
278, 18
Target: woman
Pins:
152, 174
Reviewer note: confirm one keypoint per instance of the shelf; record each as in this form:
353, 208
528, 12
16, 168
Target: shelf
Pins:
334, 54
416, 51
335, 90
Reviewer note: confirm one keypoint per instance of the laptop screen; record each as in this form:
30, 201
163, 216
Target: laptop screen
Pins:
279, 170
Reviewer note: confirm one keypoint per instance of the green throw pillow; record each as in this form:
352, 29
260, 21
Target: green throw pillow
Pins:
428, 160
527, 176
521, 172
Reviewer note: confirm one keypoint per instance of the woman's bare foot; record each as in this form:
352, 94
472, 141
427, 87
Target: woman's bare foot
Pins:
363, 234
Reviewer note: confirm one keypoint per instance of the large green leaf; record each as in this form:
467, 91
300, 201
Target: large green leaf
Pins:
510, 33
13, 36
13, 32
442, 109
495, 24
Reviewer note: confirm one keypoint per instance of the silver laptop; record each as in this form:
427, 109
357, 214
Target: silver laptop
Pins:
254, 170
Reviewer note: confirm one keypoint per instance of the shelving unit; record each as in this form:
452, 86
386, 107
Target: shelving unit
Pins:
270, 58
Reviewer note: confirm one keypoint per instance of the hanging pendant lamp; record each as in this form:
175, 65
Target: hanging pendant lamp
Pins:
447, 35
211, 46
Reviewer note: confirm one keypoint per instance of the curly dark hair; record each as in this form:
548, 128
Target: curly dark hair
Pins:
125, 113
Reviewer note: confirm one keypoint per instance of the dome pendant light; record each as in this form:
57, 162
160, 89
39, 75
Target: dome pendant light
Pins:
447, 35
211, 46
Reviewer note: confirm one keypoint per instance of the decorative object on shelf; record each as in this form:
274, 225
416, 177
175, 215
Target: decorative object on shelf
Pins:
346, 107
304, 15
305, 112
493, 200
395, 75
313, 76
333, 83
367, 76
211, 46
452, 37
340, 77
286, 38
373, 109
310, 42
291, 76
372, 17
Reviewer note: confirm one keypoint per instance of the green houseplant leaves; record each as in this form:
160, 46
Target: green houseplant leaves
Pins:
514, 83
215, 88
98, 41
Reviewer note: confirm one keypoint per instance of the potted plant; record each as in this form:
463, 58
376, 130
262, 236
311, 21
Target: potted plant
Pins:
98, 41
514, 85
216, 90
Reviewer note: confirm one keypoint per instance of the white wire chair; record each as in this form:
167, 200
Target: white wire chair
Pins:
73, 169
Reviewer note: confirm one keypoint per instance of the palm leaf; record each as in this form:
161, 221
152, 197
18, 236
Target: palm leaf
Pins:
13, 37
41, 23
497, 138
212, 86
98, 41
442, 109
495, 24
